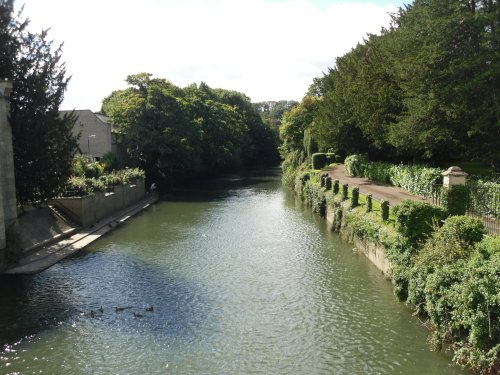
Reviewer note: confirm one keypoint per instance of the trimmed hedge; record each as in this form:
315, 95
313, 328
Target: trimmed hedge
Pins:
320, 160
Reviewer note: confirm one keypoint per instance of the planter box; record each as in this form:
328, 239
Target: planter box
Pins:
90, 209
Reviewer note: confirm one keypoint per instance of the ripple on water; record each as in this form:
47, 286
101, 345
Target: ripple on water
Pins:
241, 282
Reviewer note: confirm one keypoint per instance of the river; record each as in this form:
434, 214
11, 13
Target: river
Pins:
242, 279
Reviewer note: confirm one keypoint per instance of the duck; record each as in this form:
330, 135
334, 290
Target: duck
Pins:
149, 308
137, 315
121, 308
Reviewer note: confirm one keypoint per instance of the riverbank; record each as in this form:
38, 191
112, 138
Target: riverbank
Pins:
51, 251
444, 267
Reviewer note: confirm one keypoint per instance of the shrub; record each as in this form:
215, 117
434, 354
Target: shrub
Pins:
484, 198
384, 210
76, 187
414, 220
319, 160
369, 203
461, 293
345, 192
415, 179
378, 172
84, 166
328, 183
355, 197
336, 187
355, 164
110, 161
466, 229
454, 241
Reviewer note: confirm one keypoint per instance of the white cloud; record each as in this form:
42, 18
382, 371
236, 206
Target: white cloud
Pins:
267, 50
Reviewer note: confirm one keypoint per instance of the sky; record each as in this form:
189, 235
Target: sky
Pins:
266, 49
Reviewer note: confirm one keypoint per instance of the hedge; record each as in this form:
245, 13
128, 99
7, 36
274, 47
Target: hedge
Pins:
321, 160
416, 179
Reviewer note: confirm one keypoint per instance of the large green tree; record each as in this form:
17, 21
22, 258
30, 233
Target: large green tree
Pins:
42, 140
177, 132
427, 88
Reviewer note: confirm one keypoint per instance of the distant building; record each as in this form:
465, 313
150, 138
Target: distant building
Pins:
94, 131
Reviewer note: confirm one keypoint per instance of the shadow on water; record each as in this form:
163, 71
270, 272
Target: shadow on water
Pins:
68, 292
221, 188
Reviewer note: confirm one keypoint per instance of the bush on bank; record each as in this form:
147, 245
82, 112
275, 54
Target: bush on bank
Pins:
447, 269
89, 177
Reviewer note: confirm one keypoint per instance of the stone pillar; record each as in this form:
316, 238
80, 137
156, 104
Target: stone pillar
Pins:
8, 203
454, 176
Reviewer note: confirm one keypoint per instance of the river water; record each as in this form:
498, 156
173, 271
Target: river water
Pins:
242, 280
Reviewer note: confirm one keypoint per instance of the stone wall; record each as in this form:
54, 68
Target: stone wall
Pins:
89, 209
8, 203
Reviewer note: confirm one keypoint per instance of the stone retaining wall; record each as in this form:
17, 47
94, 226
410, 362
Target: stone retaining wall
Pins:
89, 209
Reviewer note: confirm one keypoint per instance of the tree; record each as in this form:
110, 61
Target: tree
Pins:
43, 143
177, 133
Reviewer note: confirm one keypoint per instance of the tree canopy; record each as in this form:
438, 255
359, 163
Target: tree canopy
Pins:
425, 89
42, 141
177, 132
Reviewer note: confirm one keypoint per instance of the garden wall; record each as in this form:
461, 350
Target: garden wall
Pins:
91, 208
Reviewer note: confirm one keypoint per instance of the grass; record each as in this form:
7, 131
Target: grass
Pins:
375, 206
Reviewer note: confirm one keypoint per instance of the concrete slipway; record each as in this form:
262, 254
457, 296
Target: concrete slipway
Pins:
42, 257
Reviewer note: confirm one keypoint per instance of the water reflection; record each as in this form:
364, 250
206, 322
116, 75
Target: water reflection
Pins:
242, 278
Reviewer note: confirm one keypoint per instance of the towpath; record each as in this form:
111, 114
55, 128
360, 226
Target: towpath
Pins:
378, 191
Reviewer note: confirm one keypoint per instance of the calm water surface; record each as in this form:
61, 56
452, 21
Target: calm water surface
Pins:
242, 280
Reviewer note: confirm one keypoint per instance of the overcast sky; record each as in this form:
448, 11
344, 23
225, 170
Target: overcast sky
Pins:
267, 49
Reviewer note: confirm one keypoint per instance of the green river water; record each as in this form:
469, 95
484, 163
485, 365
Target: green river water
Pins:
242, 279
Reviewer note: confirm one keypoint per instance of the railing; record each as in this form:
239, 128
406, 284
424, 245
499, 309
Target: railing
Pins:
483, 202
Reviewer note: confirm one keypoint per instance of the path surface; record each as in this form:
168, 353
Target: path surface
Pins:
378, 191
41, 258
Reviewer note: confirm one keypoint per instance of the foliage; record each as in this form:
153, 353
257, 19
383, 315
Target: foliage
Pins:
424, 89
345, 192
355, 197
272, 111
336, 187
293, 127
355, 165
34, 65
318, 160
414, 220
110, 161
416, 179
87, 182
484, 198
369, 203
177, 133
314, 195
384, 210
454, 199
85, 166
